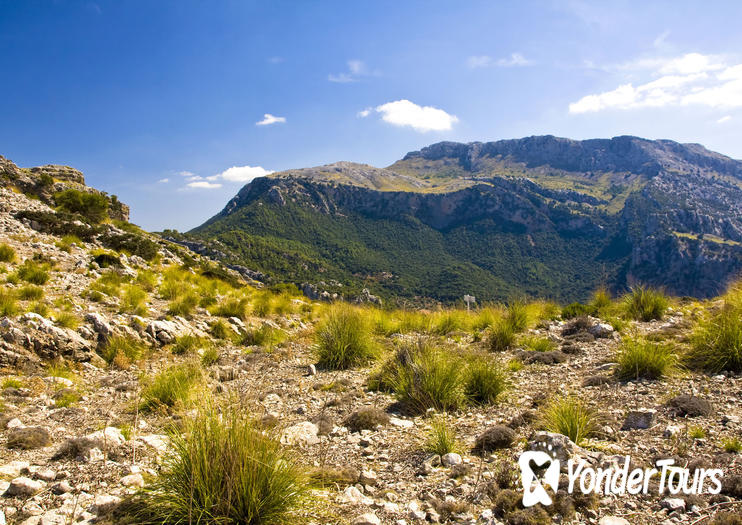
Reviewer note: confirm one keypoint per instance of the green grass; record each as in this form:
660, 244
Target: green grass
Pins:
732, 445
184, 305
221, 329
516, 316
645, 304
7, 253
639, 358
8, 303
232, 307
447, 321
173, 388
223, 469
266, 336
66, 319
133, 300
501, 337
66, 399
147, 279
539, 344
188, 344
343, 339
696, 432
41, 308
485, 380
441, 438
33, 273
716, 344
12, 382
122, 350
570, 417
424, 376
67, 242
210, 356
30, 292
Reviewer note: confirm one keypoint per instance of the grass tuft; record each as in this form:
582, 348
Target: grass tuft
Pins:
645, 304
485, 380
640, 358
716, 344
7, 253
570, 417
172, 388
122, 350
343, 338
8, 303
441, 438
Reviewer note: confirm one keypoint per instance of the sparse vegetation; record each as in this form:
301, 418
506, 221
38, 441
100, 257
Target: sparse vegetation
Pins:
133, 300
645, 304
485, 380
716, 344
441, 437
184, 305
222, 469
8, 303
7, 253
172, 388
92, 206
33, 273
640, 358
570, 417
733, 445
122, 350
344, 339
66, 319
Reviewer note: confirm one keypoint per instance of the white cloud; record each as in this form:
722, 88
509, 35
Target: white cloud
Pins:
514, 60
420, 118
163, 181
202, 184
187, 174
243, 173
691, 79
725, 118
269, 119
364, 113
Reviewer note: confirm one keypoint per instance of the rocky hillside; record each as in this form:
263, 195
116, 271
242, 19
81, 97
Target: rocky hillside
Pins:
126, 359
541, 216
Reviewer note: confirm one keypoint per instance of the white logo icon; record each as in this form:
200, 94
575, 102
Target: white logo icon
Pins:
533, 491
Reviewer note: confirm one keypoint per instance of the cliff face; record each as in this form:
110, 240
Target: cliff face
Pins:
623, 210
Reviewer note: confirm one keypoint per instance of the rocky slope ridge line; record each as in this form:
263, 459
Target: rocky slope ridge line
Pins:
623, 210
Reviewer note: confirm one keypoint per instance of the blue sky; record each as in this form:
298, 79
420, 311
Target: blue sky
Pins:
174, 105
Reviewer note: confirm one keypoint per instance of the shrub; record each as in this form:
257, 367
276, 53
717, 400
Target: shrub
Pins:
485, 318
427, 377
106, 259
33, 273
639, 358
7, 253
108, 284
366, 418
133, 300
716, 343
570, 417
645, 304
183, 305
495, 437
577, 310
441, 438
485, 380
222, 469
221, 330
501, 337
234, 307
92, 206
8, 303
41, 308
343, 339
132, 243
122, 350
67, 242
67, 319
147, 279
601, 300
174, 387
30, 293
262, 305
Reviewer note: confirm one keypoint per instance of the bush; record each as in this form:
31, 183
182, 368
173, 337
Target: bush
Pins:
7, 253
132, 243
221, 330
577, 310
92, 206
569, 417
122, 350
30, 293
441, 437
427, 377
223, 469
601, 300
367, 418
8, 303
174, 387
485, 380
33, 273
716, 344
344, 338
645, 304
501, 337
133, 301
67, 242
639, 358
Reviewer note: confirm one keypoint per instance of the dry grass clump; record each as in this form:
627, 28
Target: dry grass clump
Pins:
570, 417
639, 358
441, 437
121, 350
645, 304
7, 253
716, 344
343, 339
173, 388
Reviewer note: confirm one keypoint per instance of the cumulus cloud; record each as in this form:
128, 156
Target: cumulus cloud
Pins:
691, 79
204, 185
420, 118
269, 119
514, 60
243, 173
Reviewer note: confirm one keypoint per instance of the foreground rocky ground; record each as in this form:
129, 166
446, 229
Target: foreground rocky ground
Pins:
75, 440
